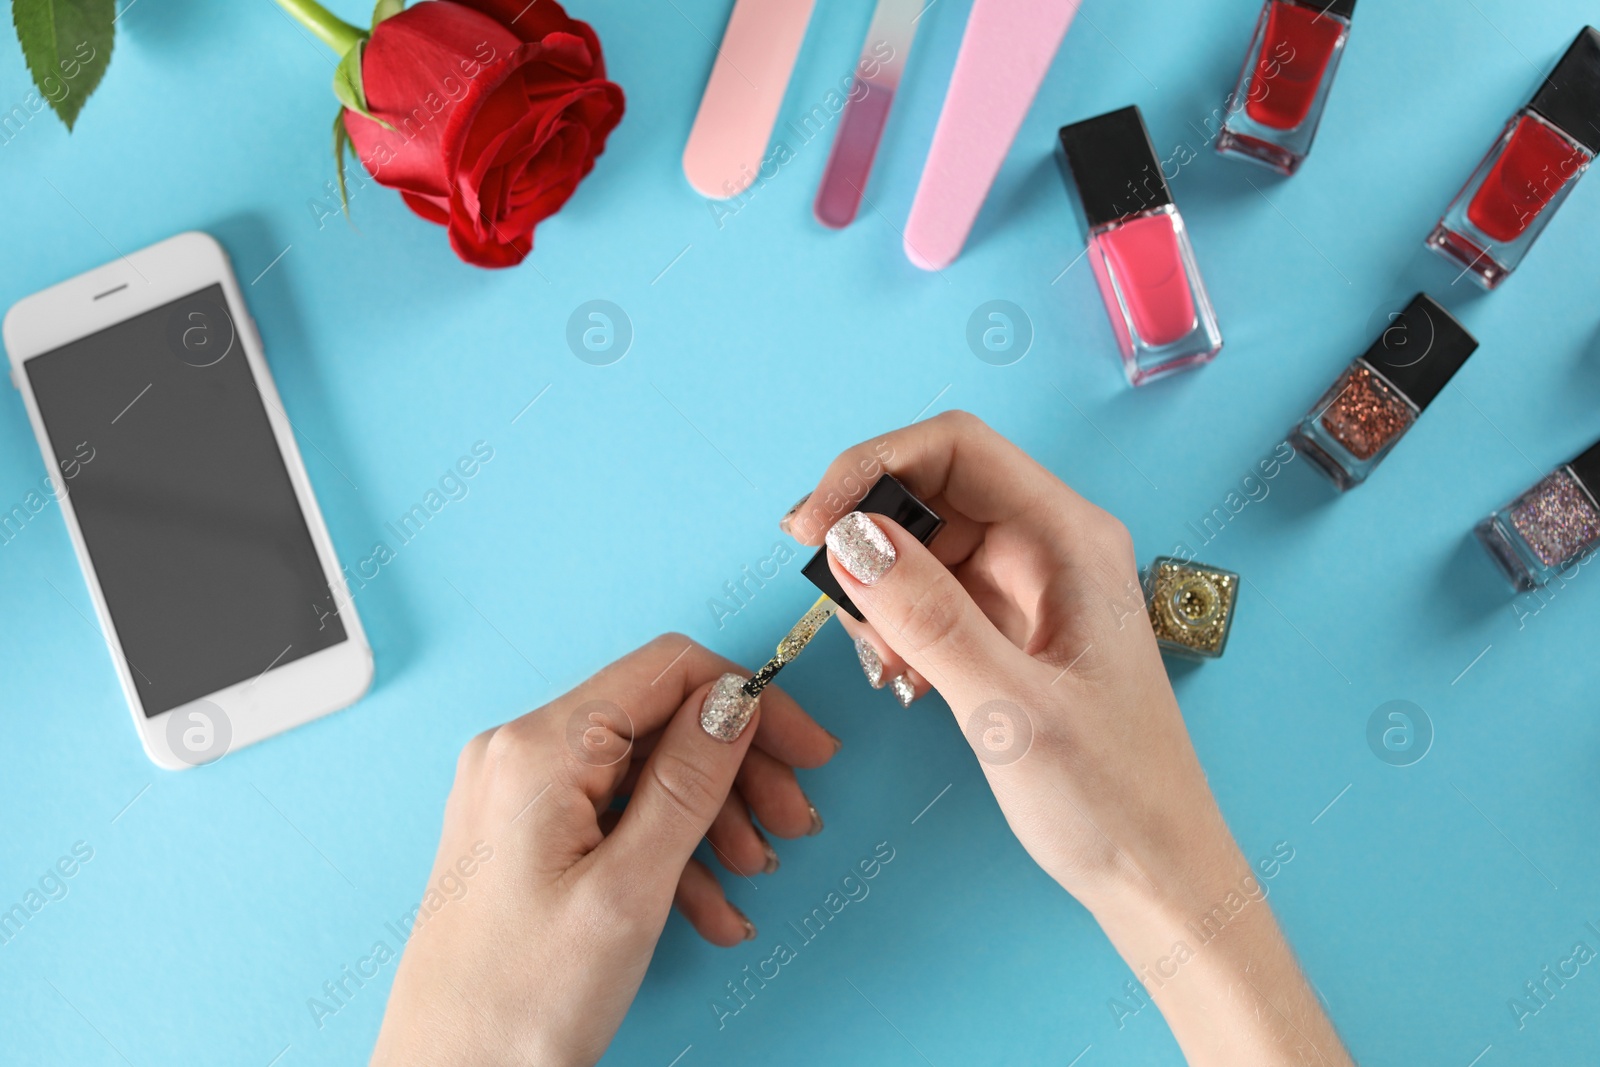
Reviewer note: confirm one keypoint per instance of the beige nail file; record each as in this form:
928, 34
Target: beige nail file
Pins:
740, 105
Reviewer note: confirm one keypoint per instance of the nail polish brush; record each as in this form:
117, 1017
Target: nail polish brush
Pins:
888, 498
793, 643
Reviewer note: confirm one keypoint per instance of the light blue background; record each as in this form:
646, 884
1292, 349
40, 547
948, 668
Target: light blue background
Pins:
1419, 902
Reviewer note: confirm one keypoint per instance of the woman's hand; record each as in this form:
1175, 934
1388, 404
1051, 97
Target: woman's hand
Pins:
545, 905
1026, 614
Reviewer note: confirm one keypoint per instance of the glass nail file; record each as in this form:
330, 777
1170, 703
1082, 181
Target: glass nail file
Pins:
1005, 52
866, 111
746, 87
793, 643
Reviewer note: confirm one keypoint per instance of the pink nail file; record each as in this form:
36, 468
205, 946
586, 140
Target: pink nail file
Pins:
1005, 52
740, 106
866, 112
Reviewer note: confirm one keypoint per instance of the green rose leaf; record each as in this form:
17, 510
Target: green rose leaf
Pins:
347, 84
67, 45
387, 9
341, 145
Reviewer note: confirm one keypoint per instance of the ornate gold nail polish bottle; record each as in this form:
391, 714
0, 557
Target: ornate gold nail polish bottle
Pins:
1191, 606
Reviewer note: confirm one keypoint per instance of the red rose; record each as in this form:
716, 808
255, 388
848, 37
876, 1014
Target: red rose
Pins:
498, 109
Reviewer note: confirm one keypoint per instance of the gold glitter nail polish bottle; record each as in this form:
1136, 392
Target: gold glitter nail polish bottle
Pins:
1379, 397
1191, 606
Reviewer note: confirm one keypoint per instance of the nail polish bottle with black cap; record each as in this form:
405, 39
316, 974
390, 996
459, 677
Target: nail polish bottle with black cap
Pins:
1549, 527
1529, 171
1273, 113
1380, 396
888, 498
1138, 247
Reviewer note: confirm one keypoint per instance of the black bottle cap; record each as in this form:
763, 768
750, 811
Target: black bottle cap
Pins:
1570, 96
1421, 350
1114, 166
1587, 468
1343, 8
889, 498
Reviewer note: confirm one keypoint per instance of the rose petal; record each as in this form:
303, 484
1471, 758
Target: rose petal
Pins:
411, 72
534, 21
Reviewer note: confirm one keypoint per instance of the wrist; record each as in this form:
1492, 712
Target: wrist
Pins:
1203, 944
1174, 872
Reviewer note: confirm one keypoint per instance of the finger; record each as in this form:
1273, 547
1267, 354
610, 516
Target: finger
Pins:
776, 799
955, 458
700, 899
683, 785
788, 734
880, 663
908, 687
633, 698
736, 841
919, 608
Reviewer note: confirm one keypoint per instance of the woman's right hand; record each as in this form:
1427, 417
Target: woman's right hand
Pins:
1026, 614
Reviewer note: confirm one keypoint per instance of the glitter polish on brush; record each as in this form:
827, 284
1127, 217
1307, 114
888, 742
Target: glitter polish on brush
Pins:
1138, 246
1528, 172
1380, 395
1548, 528
1273, 113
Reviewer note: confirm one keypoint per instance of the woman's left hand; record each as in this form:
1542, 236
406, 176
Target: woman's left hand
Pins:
545, 905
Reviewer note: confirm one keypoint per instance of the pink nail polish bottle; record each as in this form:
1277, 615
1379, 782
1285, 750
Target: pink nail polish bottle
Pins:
1139, 247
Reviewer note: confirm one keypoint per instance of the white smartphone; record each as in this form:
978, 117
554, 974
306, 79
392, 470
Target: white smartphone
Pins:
176, 469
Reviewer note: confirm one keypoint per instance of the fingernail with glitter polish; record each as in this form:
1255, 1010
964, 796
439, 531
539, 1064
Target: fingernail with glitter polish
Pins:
786, 524
727, 709
904, 691
1383, 393
771, 854
816, 822
749, 927
871, 664
861, 547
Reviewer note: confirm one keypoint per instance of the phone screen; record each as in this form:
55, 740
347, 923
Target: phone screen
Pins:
162, 444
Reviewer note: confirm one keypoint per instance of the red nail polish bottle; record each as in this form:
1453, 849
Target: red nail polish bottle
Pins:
1273, 113
1139, 247
1529, 171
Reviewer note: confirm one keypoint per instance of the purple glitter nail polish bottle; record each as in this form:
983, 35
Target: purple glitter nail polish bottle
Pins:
1548, 527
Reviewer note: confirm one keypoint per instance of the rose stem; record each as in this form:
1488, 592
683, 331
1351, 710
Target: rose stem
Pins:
334, 32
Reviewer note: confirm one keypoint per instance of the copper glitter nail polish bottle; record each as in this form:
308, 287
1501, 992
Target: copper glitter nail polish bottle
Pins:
1374, 402
1548, 528
1191, 606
